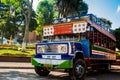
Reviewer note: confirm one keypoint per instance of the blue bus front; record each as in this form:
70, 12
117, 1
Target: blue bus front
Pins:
53, 55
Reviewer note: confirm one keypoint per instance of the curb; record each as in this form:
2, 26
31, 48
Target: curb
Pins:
14, 59
16, 67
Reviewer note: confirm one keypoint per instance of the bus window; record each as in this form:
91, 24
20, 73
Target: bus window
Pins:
70, 38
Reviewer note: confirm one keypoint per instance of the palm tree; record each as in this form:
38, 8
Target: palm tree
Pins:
71, 7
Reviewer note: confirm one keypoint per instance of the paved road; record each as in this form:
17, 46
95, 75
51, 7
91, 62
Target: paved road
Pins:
29, 74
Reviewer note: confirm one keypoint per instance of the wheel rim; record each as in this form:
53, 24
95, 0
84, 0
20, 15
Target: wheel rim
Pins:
79, 69
109, 66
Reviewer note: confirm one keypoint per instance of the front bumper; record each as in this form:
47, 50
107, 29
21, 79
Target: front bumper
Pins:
50, 63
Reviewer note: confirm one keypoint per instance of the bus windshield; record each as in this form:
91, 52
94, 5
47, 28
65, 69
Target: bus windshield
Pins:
60, 38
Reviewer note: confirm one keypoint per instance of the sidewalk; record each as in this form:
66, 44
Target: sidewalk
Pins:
16, 65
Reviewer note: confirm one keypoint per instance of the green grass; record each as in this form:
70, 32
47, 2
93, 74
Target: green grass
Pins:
98, 49
11, 51
118, 53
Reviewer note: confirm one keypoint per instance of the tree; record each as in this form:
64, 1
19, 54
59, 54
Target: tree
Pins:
20, 15
14, 18
26, 7
117, 35
107, 21
4, 13
45, 12
33, 21
71, 7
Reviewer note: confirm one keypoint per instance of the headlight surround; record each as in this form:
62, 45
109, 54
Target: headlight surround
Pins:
52, 48
62, 48
40, 49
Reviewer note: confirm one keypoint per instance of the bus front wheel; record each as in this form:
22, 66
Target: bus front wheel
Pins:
41, 71
78, 70
107, 67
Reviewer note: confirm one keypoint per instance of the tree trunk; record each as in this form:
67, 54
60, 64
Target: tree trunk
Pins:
27, 15
24, 43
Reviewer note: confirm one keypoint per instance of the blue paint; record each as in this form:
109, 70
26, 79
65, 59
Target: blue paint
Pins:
63, 56
77, 45
86, 47
97, 56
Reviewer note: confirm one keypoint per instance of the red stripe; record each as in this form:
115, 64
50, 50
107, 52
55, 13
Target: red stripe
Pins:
109, 56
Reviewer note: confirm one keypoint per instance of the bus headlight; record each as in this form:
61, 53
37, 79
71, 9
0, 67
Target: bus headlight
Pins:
52, 49
40, 49
62, 48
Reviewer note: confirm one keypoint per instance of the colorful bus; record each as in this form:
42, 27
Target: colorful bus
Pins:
75, 44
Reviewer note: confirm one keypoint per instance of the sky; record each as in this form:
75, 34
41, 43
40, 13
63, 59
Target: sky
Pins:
109, 9
35, 3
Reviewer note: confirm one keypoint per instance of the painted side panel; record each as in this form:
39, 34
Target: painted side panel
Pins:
86, 47
103, 55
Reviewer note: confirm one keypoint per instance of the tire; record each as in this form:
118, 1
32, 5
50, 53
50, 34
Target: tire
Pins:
78, 71
41, 71
107, 67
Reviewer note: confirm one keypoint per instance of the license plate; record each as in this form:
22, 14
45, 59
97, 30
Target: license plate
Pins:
47, 65
51, 56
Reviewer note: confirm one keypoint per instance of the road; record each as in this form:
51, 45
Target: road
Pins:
29, 74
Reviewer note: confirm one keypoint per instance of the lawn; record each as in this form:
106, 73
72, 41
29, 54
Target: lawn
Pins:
13, 51
118, 53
